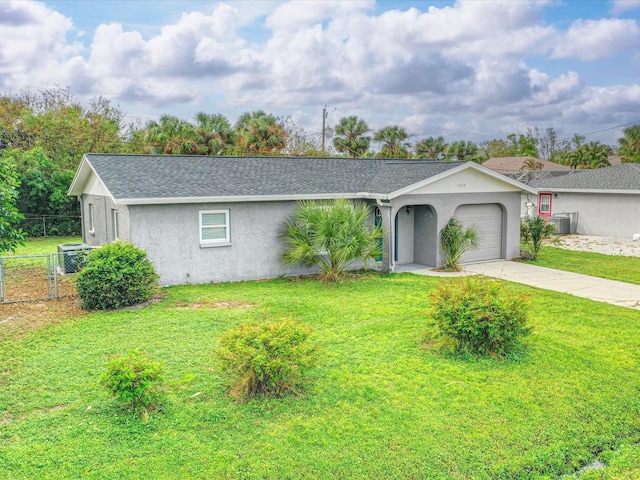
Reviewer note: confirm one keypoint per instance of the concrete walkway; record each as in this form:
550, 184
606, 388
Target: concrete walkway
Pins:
594, 288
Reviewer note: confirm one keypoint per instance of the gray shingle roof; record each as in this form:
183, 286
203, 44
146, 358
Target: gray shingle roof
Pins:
625, 176
172, 176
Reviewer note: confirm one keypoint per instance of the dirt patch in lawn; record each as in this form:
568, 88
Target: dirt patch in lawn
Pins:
18, 319
28, 288
212, 304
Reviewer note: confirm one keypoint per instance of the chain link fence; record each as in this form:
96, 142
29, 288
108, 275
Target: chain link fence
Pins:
29, 278
51, 225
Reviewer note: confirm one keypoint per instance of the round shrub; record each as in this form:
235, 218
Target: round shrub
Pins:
266, 359
135, 380
116, 275
480, 316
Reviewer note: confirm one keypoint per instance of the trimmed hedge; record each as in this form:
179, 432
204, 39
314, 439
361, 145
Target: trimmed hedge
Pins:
116, 275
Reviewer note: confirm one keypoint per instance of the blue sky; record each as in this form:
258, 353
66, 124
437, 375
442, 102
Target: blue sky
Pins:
473, 70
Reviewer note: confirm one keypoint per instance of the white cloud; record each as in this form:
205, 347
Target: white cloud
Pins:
458, 69
593, 39
621, 6
33, 38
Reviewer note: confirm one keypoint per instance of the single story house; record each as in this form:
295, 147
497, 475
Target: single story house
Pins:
213, 219
603, 201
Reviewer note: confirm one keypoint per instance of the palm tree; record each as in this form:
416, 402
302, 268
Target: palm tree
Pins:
533, 231
259, 133
431, 148
455, 240
332, 237
393, 140
531, 163
464, 151
350, 136
630, 144
170, 135
213, 133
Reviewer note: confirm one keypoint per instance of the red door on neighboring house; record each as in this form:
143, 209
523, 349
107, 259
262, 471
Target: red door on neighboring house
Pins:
544, 205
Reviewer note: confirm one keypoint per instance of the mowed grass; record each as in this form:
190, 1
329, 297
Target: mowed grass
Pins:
379, 404
613, 267
42, 245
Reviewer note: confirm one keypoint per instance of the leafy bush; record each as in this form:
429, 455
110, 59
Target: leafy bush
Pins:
479, 316
266, 359
116, 275
135, 380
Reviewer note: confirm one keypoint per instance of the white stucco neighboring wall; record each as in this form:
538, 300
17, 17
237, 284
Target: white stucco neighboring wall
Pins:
603, 214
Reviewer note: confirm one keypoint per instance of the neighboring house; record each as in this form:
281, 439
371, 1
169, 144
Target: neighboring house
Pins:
515, 167
213, 219
604, 201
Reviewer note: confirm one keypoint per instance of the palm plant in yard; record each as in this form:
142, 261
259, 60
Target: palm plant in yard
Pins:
456, 240
533, 231
331, 236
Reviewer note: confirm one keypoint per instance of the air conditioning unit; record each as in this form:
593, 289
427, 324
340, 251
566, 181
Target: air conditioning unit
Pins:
563, 224
72, 256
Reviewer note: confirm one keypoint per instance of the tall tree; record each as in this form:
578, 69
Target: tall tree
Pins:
524, 145
431, 148
590, 155
11, 234
299, 142
547, 144
464, 151
350, 136
630, 144
393, 140
213, 133
259, 133
497, 148
170, 135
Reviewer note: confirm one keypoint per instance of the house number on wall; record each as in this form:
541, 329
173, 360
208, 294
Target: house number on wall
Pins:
461, 185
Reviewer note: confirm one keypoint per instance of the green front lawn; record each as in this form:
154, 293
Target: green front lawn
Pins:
613, 267
380, 405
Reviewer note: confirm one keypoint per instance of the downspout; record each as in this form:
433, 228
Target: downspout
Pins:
387, 247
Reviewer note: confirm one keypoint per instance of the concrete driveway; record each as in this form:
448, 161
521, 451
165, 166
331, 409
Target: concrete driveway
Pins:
594, 288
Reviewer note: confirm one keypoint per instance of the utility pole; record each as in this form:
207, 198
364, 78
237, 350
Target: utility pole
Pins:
324, 127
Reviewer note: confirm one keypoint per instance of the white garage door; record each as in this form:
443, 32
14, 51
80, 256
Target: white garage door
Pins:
488, 218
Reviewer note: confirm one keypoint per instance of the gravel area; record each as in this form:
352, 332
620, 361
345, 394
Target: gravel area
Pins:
607, 245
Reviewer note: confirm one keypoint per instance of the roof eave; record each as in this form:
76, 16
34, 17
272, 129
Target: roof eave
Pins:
587, 190
460, 168
246, 198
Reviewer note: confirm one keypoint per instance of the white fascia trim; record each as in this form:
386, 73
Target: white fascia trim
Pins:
453, 171
245, 198
81, 176
588, 190
80, 179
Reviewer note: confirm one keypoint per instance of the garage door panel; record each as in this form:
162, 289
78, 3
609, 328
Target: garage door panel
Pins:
488, 219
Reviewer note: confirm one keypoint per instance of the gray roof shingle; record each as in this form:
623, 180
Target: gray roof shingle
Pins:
625, 176
172, 176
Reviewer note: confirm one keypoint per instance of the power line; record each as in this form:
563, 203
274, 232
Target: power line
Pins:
612, 128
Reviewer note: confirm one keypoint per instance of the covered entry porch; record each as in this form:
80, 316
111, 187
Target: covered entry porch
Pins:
414, 228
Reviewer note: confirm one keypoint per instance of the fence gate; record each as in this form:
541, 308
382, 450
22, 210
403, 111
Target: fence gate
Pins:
27, 278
